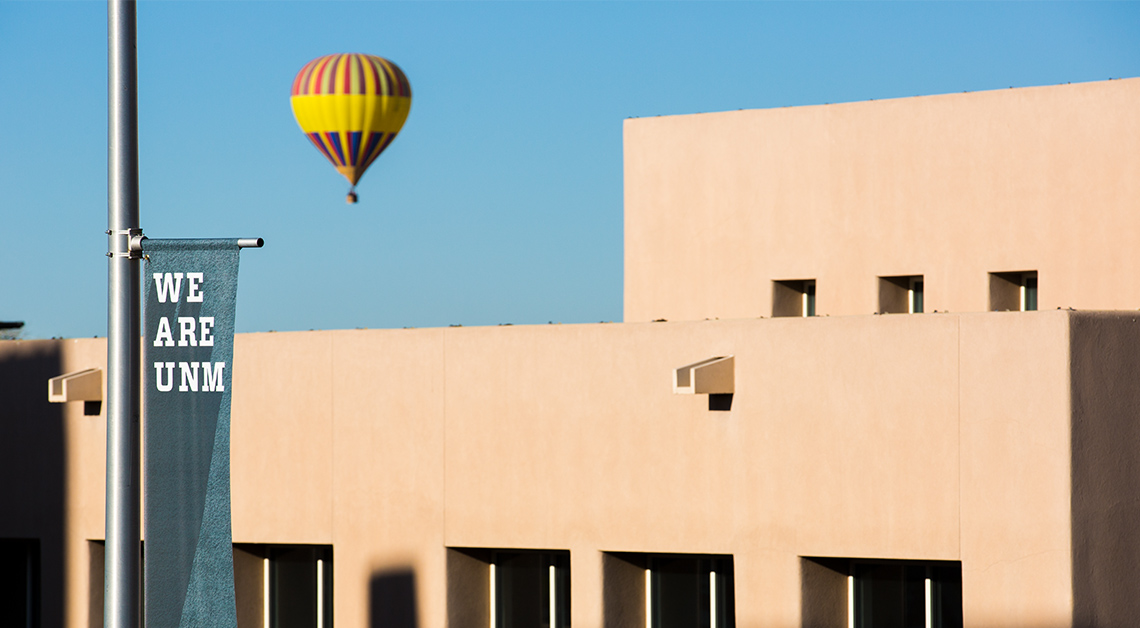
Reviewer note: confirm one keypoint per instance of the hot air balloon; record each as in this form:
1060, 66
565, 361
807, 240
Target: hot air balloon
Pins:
351, 106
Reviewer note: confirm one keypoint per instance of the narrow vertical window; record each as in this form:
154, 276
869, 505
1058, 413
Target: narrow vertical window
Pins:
914, 295
1028, 291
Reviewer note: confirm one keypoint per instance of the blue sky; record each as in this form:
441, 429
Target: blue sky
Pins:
501, 200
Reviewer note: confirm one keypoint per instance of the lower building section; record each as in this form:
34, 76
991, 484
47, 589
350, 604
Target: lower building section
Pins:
549, 476
291, 586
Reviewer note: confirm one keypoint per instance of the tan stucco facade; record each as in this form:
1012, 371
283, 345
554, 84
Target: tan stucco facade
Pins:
1003, 441
951, 187
945, 437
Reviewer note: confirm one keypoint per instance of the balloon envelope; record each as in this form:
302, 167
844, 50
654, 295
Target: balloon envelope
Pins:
351, 106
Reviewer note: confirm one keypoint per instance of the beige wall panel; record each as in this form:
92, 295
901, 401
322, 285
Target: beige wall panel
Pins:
840, 446
767, 589
950, 187
591, 441
388, 476
1016, 531
586, 586
571, 436
573, 432
86, 443
281, 438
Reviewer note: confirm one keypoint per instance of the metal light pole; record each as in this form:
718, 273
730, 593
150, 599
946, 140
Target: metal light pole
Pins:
121, 588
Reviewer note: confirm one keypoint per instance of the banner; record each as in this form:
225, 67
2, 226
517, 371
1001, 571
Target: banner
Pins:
188, 330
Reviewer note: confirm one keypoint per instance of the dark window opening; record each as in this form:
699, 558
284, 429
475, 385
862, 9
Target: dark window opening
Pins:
907, 594
20, 583
690, 591
793, 298
1013, 291
300, 586
283, 586
531, 589
904, 294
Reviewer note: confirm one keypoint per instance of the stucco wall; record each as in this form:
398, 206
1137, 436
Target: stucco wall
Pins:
1015, 452
952, 187
941, 437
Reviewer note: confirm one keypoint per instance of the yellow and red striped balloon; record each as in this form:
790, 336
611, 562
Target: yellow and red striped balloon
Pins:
351, 106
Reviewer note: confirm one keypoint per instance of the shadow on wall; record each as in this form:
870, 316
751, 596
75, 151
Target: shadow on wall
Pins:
32, 485
1105, 358
623, 590
392, 599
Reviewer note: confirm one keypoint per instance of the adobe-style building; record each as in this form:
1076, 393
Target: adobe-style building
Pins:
774, 437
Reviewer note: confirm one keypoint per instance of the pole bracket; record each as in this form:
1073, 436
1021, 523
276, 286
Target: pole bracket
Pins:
125, 243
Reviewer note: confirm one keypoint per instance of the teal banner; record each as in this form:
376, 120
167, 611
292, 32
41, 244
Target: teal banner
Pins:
188, 331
